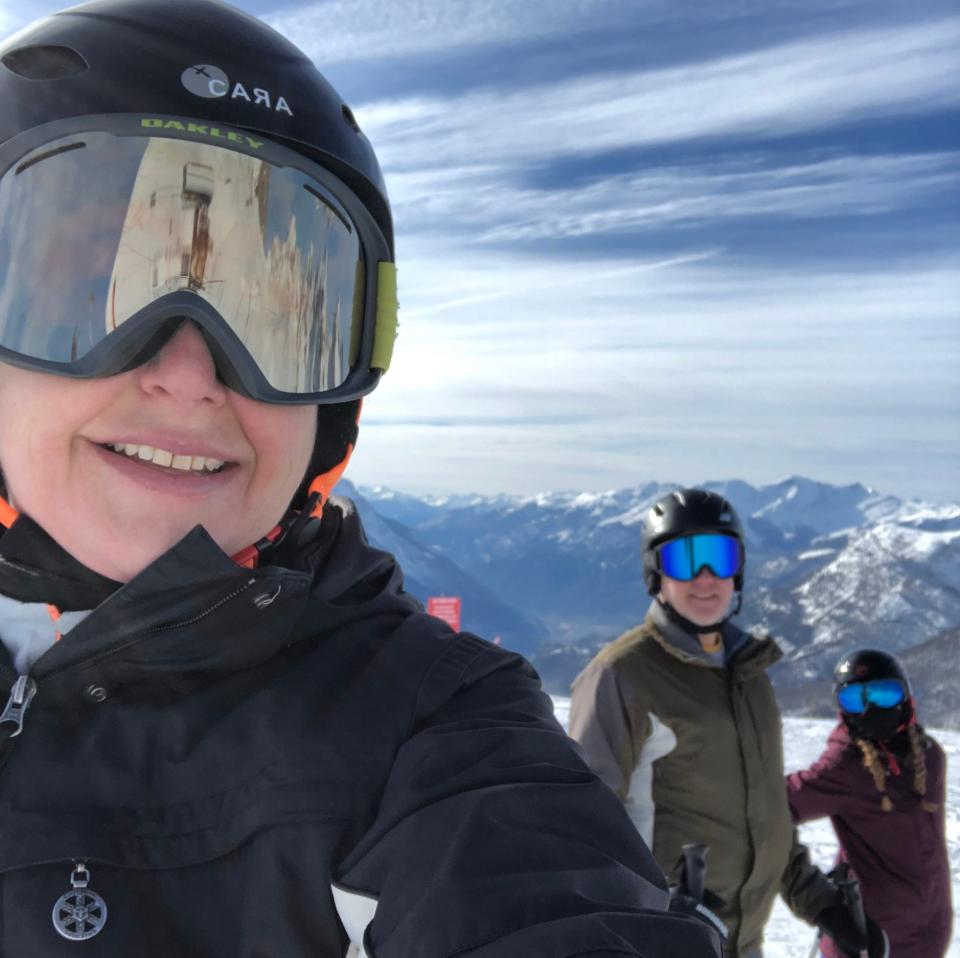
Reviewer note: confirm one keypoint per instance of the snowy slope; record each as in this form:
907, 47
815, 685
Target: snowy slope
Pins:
803, 741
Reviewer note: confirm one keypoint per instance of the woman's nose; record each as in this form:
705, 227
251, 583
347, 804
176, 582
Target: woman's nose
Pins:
183, 369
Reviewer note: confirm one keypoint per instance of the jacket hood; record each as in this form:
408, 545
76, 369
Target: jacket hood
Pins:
159, 627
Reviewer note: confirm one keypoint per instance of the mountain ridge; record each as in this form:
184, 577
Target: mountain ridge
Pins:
829, 567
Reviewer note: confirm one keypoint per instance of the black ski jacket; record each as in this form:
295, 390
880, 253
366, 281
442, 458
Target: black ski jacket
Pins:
251, 764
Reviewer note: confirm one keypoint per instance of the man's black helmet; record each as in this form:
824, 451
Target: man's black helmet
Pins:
196, 58
865, 665
682, 513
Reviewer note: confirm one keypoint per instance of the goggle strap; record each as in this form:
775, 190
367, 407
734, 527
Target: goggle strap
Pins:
385, 333
249, 558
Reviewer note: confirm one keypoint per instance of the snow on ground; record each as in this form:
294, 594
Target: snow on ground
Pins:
803, 741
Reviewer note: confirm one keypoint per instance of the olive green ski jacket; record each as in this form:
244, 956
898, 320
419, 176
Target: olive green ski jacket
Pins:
693, 747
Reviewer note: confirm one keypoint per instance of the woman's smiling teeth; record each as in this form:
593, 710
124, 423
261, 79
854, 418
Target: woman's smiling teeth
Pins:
161, 457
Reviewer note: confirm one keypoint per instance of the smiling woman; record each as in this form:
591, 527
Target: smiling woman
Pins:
229, 730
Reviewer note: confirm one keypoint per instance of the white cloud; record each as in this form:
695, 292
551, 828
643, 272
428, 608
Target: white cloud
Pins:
7, 20
524, 374
793, 87
482, 202
487, 336
344, 30
335, 31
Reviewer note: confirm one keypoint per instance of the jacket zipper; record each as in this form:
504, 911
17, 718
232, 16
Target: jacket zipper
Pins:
11, 720
25, 687
169, 627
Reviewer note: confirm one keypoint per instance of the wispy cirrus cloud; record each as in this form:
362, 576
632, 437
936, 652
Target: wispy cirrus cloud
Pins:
337, 31
494, 207
341, 30
667, 370
775, 91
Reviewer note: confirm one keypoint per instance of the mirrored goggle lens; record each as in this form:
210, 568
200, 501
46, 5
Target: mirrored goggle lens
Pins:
683, 558
95, 227
884, 693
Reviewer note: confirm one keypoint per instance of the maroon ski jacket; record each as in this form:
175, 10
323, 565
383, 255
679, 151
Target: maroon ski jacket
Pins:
899, 856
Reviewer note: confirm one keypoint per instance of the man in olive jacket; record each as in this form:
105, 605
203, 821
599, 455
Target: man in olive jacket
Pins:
679, 718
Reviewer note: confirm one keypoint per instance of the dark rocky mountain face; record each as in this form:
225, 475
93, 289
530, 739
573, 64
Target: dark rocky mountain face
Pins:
428, 571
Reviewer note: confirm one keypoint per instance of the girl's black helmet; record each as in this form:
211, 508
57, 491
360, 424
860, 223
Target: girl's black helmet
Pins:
874, 723
196, 58
865, 665
681, 513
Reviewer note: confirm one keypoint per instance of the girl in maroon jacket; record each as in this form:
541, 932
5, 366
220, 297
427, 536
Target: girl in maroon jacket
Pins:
882, 781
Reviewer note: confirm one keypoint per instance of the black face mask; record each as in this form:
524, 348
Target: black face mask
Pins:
877, 724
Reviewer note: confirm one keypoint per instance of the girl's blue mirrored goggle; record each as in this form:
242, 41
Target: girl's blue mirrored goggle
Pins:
884, 693
684, 558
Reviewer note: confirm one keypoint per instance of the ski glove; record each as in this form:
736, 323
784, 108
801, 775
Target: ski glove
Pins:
837, 922
690, 897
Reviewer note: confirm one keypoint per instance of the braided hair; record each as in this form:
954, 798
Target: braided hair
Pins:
877, 768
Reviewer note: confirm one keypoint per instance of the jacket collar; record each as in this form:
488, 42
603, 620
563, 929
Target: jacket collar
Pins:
35, 568
194, 614
747, 655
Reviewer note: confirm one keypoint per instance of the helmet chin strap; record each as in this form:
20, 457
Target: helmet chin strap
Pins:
695, 628
318, 492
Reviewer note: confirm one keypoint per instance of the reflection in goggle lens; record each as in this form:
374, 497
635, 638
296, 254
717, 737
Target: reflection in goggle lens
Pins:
683, 558
95, 228
884, 693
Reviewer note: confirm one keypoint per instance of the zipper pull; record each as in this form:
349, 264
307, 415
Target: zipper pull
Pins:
21, 695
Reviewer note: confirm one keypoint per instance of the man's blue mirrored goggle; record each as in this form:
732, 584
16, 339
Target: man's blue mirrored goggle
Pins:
684, 558
884, 693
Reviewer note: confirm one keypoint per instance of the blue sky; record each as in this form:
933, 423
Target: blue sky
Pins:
667, 240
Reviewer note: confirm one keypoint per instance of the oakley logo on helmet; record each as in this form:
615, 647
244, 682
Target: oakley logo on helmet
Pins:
212, 83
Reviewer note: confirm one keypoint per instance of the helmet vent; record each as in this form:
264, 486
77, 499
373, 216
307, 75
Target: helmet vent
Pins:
350, 118
44, 63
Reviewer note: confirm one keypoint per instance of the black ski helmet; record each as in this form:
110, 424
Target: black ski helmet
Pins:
206, 60
197, 58
865, 665
681, 513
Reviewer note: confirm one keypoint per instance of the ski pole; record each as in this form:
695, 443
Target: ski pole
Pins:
853, 899
693, 876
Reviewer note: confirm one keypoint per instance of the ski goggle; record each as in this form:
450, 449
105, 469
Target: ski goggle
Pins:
113, 230
683, 558
883, 693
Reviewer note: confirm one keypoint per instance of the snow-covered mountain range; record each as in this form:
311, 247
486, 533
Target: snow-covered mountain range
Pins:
829, 568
